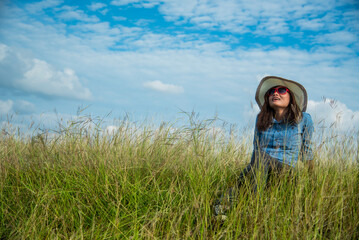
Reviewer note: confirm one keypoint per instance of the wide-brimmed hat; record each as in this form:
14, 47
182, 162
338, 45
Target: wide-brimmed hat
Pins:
295, 88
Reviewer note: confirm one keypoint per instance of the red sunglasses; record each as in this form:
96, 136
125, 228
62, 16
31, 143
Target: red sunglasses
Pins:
279, 90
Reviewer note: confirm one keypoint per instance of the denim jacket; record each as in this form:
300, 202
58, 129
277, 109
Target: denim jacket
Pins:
286, 142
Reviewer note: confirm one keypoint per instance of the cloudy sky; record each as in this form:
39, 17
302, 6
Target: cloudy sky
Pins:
156, 58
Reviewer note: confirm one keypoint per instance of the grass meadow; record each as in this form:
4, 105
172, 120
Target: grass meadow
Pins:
143, 182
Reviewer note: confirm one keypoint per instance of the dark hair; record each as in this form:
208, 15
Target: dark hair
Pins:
266, 115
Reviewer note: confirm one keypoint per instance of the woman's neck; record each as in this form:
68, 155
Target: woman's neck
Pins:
280, 113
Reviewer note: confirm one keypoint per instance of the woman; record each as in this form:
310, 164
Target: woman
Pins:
282, 134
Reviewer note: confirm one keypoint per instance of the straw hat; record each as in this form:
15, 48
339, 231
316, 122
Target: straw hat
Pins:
295, 88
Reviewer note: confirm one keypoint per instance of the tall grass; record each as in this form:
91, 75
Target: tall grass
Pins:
141, 182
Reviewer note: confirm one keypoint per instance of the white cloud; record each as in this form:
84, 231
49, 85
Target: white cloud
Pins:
136, 3
111, 130
313, 25
6, 107
24, 107
162, 87
19, 106
43, 78
37, 76
96, 6
104, 11
276, 39
143, 22
123, 2
70, 13
102, 28
176, 9
150, 3
148, 41
203, 21
341, 37
333, 114
119, 18
273, 26
45, 4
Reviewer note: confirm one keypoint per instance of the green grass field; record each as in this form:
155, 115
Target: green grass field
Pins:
160, 183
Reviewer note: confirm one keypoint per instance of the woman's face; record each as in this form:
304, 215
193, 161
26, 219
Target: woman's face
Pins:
277, 101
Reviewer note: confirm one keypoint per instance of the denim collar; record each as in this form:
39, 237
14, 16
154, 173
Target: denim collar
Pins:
275, 121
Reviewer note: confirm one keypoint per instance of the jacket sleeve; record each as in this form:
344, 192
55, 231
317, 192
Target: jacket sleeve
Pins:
308, 129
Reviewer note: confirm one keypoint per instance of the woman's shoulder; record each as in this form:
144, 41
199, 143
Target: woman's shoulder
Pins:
307, 119
306, 115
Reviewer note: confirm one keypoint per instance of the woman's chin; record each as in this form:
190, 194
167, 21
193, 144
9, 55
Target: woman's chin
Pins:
276, 106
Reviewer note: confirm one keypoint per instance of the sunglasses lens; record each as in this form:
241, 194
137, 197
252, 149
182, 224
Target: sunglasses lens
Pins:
271, 91
282, 90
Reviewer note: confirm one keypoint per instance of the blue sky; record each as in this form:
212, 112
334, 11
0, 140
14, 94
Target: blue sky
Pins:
155, 58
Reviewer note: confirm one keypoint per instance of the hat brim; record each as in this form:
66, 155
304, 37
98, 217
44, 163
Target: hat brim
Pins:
295, 88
